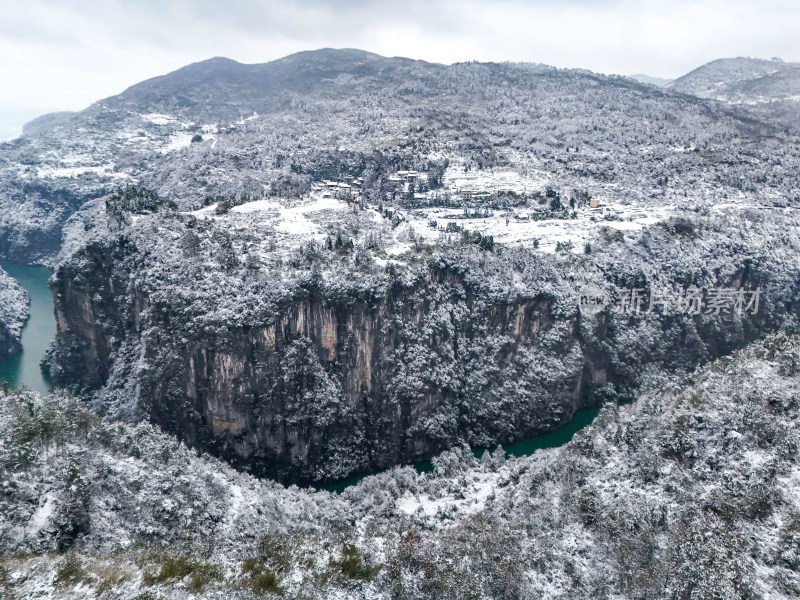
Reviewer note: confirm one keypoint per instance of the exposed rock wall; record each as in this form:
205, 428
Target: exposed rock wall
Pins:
330, 387
13, 314
326, 384
9, 344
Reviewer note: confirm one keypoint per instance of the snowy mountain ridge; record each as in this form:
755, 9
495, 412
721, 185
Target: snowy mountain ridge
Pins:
769, 89
719, 78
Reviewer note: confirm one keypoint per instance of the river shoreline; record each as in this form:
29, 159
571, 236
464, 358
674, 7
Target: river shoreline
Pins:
24, 369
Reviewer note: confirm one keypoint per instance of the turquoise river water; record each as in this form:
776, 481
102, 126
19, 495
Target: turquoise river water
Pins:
23, 369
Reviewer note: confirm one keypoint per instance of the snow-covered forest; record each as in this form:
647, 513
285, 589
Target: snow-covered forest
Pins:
689, 490
272, 130
336, 264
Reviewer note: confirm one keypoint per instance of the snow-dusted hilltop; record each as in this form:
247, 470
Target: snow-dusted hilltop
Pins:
13, 314
723, 78
770, 88
221, 129
690, 492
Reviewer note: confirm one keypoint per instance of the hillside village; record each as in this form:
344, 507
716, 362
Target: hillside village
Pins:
511, 209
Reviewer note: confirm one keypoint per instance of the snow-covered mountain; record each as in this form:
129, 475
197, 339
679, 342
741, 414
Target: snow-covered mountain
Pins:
768, 88
222, 129
741, 80
213, 324
336, 262
314, 200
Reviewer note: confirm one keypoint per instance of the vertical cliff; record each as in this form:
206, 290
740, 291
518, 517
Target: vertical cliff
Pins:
9, 343
316, 367
327, 387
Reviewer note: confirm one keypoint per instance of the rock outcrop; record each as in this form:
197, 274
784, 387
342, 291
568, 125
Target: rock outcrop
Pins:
13, 314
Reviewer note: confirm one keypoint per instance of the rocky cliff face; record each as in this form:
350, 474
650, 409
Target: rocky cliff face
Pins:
318, 380
13, 314
330, 387
9, 344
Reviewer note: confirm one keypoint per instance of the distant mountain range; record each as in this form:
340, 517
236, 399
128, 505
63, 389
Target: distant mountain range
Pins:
767, 88
656, 81
241, 87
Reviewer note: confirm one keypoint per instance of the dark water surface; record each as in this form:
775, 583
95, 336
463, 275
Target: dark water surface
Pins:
23, 369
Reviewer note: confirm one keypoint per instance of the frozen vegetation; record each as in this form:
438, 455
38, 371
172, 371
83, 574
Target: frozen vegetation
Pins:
313, 290
13, 314
307, 340
273, 130
336, 263
691, 491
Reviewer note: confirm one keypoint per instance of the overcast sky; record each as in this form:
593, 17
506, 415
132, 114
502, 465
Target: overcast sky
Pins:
65, 54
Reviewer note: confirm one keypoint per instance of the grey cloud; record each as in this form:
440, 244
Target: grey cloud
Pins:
91, 49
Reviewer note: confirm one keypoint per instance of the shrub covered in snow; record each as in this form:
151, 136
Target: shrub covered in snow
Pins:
692, 491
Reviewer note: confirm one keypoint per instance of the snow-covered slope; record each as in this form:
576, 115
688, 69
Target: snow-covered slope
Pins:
721, 78
13, 314
693, 491
768, 88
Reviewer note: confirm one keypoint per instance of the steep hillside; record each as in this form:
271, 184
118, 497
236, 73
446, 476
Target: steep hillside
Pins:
13, 314
690, 492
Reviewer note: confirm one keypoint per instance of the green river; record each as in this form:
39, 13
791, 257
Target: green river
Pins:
524, 447
23, 369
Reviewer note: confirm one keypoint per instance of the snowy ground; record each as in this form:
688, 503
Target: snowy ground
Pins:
518, 228
316, 216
